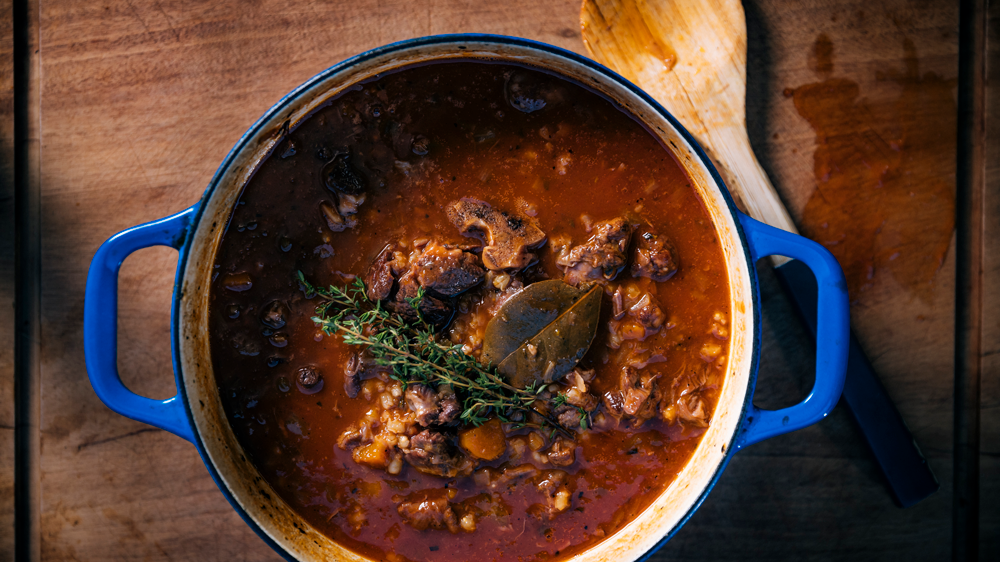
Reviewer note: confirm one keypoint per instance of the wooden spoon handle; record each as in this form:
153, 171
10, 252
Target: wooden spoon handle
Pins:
746, 179
730, 149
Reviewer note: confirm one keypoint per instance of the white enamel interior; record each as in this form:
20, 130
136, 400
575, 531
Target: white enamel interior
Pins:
241, 478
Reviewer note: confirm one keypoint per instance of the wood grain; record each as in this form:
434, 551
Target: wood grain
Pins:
28, 279
989, 430
6, 283
140, 102
969, 280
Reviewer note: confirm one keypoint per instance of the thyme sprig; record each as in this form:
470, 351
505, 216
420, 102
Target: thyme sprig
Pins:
416, 354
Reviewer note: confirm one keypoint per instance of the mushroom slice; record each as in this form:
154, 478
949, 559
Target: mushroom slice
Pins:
508, 237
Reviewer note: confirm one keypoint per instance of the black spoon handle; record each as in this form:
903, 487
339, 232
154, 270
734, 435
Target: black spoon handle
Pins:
909, 477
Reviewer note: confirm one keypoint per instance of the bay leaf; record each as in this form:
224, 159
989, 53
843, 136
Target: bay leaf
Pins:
524, 315
558, 347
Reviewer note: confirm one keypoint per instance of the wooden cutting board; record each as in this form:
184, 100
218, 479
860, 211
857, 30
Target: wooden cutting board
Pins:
140, 100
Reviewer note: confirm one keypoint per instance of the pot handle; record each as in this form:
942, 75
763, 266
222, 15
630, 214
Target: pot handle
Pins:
832, 333
100, 324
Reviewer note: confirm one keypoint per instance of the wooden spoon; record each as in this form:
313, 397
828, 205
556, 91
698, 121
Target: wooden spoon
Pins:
691, 57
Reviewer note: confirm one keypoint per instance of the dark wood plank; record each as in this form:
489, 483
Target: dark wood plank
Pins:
28, 284
141, 101
969, 279
989, 434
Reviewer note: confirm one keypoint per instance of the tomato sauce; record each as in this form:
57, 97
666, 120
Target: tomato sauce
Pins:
422, 137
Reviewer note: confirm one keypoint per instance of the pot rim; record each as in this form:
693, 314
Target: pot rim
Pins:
457, 39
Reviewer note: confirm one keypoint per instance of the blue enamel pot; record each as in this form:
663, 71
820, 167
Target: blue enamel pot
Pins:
196, 413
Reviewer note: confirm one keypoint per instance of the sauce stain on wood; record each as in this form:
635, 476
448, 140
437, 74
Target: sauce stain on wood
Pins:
884, 202
821, 57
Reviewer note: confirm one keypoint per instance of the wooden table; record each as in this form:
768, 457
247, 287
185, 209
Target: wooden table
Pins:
137, 101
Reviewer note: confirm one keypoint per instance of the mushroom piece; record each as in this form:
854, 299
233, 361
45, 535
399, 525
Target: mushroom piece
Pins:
308, 376
274, 315
508, 237
339, 176
334, 221
348, 204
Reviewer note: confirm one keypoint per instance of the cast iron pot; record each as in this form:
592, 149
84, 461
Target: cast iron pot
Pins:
196, 412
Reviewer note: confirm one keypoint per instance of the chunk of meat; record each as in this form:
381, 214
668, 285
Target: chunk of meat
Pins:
428, 511
379, 278
642, 358
686, 400
636, 387
441, 270
645, 317
568, 416
614, 404
447, 271
432, 407
655, 258
637, 397
692, 409
433, 310
556, 494
601, 257
508, 238
432, 452
648, 313
562, 452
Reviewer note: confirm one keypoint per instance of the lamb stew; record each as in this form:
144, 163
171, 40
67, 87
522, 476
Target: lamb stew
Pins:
469, 310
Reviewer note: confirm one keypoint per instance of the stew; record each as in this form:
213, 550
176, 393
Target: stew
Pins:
469, 310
